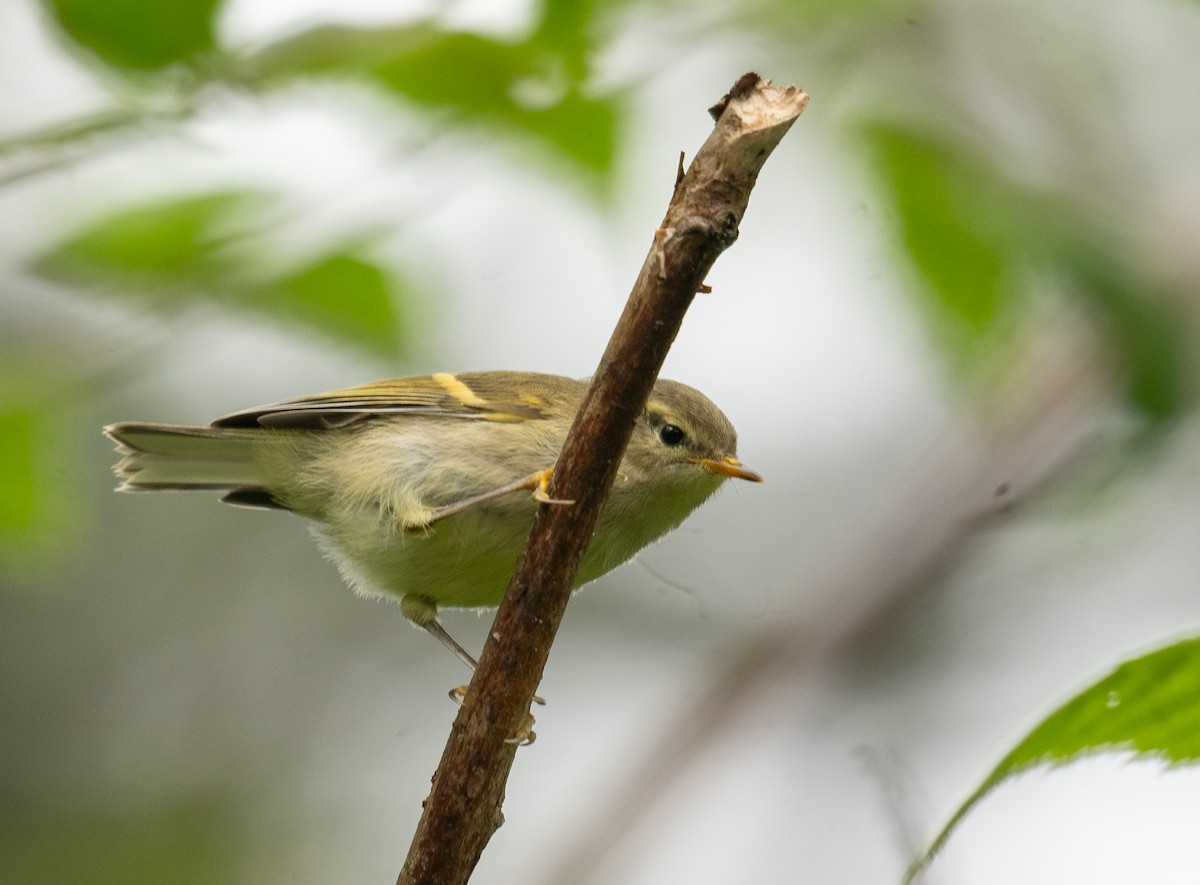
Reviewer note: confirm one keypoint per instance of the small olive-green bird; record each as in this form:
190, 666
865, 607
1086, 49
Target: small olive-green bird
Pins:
424, 488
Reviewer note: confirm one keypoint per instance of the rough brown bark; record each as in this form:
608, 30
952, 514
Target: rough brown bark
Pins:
464, 807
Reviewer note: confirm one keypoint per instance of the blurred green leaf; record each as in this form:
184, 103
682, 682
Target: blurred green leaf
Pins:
209, 249
526, 88
580, 128
37, 501
567, 28
191, 840
19, 508
156, 246
330, 50
1153, 342
485, 79
143, 35
969, 231
1149, 707
939, 209
467, 71
343, 296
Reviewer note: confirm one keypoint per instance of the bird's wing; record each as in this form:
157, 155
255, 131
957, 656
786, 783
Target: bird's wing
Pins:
486, 396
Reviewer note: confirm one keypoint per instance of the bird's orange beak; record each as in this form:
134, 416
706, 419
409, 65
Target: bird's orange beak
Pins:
728, 467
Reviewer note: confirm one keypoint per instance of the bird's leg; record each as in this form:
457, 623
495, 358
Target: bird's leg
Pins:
534, 482
422, 611
435, 629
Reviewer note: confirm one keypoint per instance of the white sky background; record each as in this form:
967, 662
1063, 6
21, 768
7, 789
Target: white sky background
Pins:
190, 639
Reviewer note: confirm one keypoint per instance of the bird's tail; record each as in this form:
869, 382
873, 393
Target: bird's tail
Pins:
157, 457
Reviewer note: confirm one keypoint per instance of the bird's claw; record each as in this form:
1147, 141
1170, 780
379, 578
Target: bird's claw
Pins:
525, 734
541, 489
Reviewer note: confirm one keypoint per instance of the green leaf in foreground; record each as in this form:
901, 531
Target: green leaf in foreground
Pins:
1148, 707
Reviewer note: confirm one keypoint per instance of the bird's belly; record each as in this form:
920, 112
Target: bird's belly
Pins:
464, 561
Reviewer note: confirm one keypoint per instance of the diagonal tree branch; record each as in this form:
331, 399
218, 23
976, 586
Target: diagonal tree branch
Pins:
464, 807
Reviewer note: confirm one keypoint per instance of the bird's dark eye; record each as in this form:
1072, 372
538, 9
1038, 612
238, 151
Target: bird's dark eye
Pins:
670, 434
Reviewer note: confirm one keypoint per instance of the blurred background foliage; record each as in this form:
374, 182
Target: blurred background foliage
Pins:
1012, 176
972, 230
